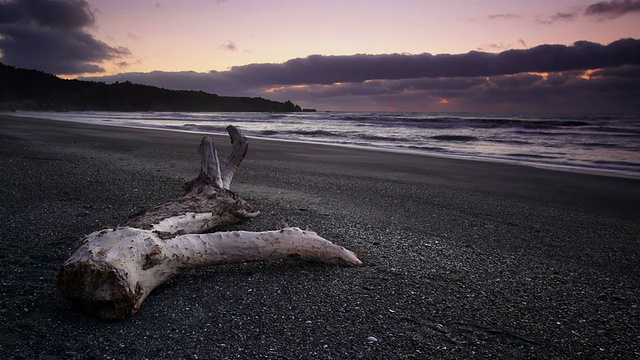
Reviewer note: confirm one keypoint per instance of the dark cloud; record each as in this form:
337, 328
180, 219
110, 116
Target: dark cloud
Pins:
549, 93
319, 69
553, 93
64, 15
547, 78
569, 93
35, 48
49, 35
612, 9
628, 72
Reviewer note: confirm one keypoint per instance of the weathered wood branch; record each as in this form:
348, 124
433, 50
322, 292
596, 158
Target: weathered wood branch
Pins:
210, 164
114, 271
207, 197
240, 145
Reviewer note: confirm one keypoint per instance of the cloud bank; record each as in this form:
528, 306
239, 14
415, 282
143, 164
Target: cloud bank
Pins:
583, 77
50, 35
318, 69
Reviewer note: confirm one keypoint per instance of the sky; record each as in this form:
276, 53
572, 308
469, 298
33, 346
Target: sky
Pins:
497, 56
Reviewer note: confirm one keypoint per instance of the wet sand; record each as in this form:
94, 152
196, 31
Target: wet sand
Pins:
463, 259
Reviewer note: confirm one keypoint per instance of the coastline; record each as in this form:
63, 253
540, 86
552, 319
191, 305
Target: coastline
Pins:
610, 164
462, 258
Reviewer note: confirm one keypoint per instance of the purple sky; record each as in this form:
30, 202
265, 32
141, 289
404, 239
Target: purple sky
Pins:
489, 56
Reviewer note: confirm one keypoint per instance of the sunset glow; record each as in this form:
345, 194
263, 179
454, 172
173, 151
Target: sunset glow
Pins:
274, 89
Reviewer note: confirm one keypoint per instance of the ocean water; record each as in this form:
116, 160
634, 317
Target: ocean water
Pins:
603, 144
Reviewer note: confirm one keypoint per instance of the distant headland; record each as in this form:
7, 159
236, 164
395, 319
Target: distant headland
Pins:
22, 89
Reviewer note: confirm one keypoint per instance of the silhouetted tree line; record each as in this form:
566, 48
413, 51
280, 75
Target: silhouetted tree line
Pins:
22, 89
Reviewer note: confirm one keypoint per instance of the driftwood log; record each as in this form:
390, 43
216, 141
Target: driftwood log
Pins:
114, 271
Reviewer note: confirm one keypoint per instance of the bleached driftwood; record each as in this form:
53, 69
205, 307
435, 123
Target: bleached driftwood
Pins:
116, 269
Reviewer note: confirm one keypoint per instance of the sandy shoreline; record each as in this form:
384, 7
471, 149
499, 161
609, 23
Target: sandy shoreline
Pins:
59, 116
464, 259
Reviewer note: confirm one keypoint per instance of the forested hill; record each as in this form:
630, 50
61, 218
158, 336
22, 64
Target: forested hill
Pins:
22, 89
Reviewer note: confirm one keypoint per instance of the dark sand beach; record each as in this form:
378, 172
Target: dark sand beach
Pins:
463, 259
